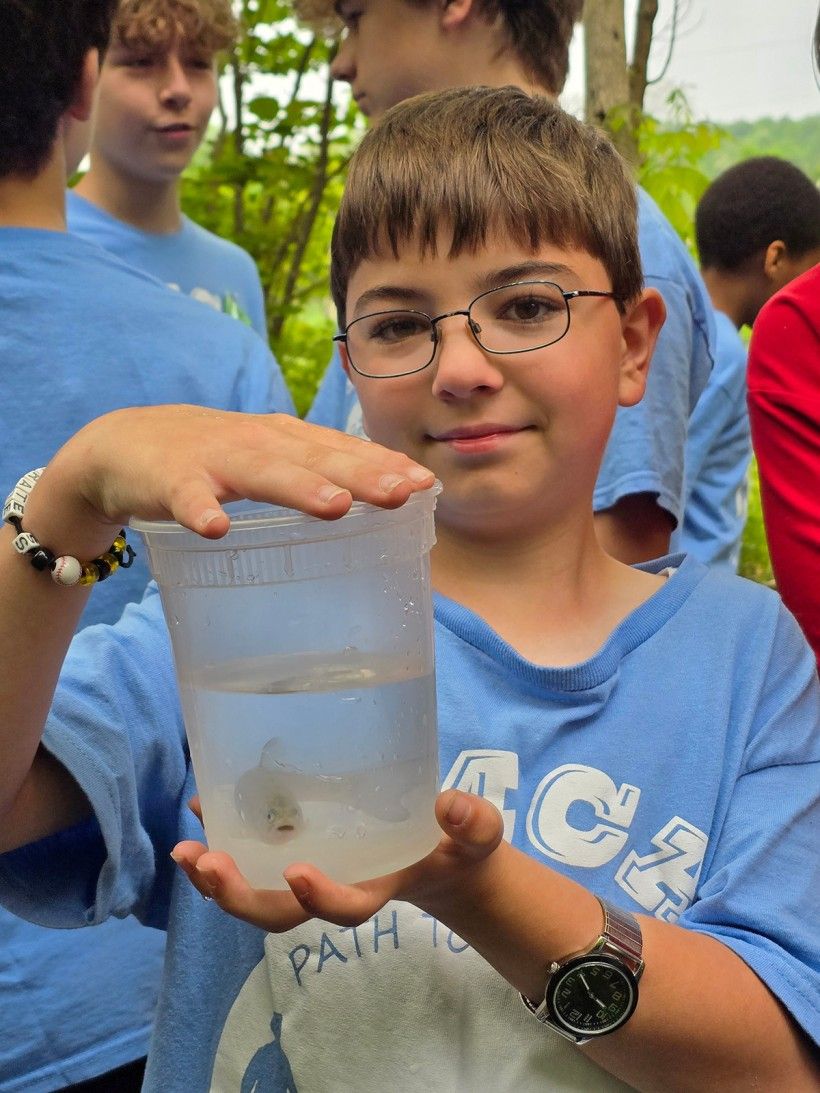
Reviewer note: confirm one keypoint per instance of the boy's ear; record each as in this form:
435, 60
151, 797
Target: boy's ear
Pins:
83, 100
773, 259
640, 325
344, 358
455, 12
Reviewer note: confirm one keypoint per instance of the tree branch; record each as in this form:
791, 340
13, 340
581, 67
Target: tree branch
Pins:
309, 217
644, 23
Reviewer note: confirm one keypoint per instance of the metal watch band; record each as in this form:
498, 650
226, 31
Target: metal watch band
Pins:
622, 936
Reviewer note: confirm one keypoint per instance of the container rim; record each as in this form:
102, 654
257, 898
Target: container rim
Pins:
256, 514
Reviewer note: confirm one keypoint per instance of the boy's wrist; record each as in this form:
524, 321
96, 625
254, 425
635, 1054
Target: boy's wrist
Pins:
63, 520
468, 893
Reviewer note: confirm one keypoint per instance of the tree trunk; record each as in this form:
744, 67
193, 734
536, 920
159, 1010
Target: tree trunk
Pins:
607, 77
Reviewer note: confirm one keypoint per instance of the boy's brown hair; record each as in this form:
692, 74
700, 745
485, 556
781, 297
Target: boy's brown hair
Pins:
209, 25
538, 31
480, 160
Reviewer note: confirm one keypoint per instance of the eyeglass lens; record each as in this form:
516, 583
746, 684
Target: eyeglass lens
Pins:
511, 319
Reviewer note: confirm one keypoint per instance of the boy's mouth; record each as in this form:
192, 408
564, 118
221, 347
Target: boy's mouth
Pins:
476, 432
477, 439
175, 127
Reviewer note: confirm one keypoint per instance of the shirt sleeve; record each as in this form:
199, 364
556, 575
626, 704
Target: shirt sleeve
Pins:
116, 726
784, 407
758, 892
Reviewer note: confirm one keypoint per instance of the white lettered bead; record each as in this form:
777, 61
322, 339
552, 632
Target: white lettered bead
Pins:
66, 571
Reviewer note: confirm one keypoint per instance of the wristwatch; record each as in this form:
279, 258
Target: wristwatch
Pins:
595, 992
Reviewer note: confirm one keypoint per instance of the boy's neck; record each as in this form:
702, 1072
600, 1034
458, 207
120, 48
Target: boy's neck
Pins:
554, 599
728, 294
150, 206
37, 202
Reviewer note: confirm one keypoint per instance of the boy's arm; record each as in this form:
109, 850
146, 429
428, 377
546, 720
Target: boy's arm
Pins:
174, 462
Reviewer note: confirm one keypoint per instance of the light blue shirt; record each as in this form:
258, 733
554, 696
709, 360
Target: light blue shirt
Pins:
671, 773
193, 260
718, 453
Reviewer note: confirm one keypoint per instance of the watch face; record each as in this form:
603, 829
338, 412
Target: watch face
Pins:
592, 995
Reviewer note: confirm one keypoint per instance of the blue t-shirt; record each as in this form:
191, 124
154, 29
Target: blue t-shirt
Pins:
82, 334
671, 773
645, 453
718, 453
192, 260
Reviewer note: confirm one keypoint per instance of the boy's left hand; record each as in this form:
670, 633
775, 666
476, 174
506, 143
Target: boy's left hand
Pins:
472, 828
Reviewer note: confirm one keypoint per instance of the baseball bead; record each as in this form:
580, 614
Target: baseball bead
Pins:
66, 571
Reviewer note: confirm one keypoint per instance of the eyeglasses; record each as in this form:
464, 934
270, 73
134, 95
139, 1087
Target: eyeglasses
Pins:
515, 318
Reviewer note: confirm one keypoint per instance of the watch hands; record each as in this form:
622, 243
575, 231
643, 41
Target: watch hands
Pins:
588, 989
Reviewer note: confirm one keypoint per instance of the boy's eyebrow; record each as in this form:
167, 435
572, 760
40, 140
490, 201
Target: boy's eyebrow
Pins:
523, 271
392, 294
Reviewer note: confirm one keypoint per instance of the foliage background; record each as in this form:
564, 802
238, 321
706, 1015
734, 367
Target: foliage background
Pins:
271, 177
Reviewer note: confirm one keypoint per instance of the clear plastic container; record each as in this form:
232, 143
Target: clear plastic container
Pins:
304, 654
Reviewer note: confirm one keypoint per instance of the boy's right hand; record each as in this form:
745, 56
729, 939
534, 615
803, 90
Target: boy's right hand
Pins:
183, 462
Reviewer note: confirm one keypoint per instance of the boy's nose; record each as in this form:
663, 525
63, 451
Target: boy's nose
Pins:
461, 367
176, 87
342, 67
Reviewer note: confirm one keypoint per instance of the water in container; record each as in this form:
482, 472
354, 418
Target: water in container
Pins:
305, 662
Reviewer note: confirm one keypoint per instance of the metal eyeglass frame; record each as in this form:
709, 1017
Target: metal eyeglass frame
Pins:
475, 328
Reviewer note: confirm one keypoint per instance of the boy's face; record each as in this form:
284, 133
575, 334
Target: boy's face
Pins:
153, 108
508, 435
390, 51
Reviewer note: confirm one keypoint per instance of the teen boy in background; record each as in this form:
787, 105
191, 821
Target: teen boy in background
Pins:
757, 226
156, 94
396, 48
648, 735
81, 331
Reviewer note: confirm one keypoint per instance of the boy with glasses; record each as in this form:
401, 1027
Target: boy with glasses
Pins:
611, 741
392, 49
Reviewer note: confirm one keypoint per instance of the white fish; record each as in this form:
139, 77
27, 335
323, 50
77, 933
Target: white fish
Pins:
271, 796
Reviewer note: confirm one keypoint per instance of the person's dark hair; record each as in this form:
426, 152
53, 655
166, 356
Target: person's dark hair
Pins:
538, 30
750, 206
475, 161
43, 44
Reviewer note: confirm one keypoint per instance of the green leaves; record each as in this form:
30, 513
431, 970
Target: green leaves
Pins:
271, 179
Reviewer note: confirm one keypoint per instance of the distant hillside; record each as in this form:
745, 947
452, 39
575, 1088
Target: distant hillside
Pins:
797, 141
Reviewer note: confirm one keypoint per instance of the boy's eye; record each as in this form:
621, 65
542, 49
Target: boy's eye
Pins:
138, 62
531, 307
350, 14
199, 62
394, 328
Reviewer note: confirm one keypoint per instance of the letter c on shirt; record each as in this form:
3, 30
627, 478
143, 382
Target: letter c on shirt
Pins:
556, 834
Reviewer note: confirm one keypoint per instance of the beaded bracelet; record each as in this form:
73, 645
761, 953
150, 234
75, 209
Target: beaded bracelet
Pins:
64, 569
